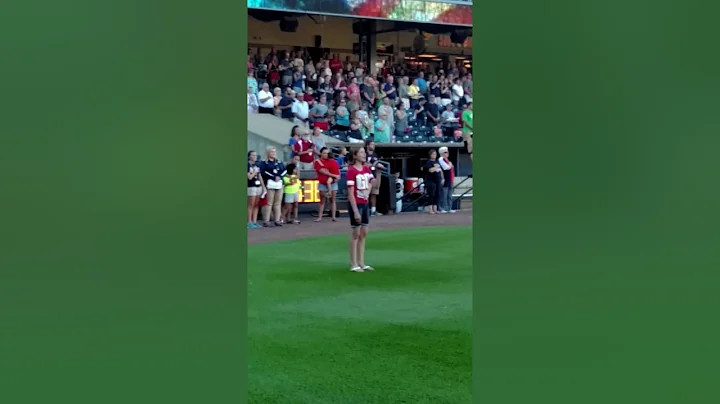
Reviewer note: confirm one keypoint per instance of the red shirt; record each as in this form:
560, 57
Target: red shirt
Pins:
359, 181
335, 65
303, 145
330, 164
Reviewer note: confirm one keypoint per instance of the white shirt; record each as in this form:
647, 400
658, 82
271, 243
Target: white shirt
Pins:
301, 108
252, 103
457, 92
270, 103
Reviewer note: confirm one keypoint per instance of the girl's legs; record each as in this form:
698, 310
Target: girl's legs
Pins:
354, 239
296, 207
361, 249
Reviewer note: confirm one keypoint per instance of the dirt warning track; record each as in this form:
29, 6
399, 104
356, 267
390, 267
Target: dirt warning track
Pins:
308, 228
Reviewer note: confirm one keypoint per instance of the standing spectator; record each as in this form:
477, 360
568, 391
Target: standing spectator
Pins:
422, 83
301, 110
401, 123
458, 94
265, 100
435, 87
432, 111
387, 109
272, 171
404, 92
286, 104
324, 88
298, 84
328, 176
338, 84
414, 93
445, 93
303, 148
277, 97
376, 169
467, 87
252, 82
342, 117
335, 64
286, 71
382, 129
252, 101
353, 88
433, 181
446, 190
291, 190
273, 71
368, 93
342, 159
420, 112
256, 188
467, 128
294, 137
318, 142
390, 90
319, 114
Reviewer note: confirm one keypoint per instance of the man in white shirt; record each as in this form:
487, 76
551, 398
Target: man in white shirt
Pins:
457, 91
301, 110
265, 99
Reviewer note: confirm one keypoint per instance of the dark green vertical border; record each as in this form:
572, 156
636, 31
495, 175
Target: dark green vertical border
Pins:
596, 212
123, 250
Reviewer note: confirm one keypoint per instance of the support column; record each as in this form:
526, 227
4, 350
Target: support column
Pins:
368, 46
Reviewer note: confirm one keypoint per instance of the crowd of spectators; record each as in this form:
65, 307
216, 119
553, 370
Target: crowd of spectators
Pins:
397, 104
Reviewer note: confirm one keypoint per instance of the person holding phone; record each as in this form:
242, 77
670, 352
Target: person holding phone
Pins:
359, 185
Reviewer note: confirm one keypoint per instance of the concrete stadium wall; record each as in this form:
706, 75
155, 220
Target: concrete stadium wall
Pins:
268, 130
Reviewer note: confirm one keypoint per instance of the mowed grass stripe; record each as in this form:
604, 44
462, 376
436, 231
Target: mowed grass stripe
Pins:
320, 334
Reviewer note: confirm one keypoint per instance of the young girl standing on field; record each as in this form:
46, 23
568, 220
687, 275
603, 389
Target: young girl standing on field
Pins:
359, 184
292, 194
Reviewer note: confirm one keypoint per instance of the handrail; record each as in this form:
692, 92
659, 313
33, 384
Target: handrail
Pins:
422, 198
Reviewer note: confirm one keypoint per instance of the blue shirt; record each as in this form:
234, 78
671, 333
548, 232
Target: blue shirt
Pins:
291, 143
387, 87
272, 169
422, 85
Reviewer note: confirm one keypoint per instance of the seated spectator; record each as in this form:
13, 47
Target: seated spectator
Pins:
342, 158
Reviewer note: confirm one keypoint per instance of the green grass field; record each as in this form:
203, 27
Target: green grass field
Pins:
319, 334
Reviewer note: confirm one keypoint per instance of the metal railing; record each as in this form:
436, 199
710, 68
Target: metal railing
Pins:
423, 198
